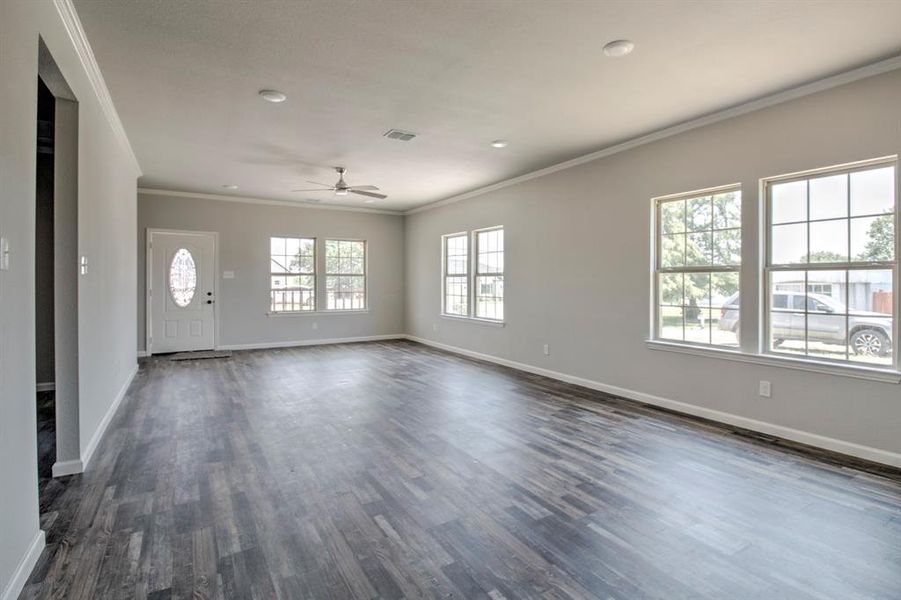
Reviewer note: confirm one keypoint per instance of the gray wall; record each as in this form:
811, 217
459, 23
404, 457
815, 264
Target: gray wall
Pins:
107, 199
244, 230
578, 255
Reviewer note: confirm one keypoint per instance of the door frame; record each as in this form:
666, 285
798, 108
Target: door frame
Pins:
148, 279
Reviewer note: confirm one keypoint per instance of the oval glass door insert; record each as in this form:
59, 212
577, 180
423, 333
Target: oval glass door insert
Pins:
182, 278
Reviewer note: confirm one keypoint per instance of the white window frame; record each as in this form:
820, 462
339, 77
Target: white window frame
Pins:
320, 299
767, 268
657, 269
752, 350
326, 275
472, 276
314, 275
444, 274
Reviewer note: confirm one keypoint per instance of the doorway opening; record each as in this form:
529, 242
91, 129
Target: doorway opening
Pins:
44, 284
56, 287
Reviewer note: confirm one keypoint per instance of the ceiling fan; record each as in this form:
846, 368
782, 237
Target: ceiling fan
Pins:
342, 189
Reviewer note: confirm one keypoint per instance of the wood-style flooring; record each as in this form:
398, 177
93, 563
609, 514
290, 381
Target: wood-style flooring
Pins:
392, 470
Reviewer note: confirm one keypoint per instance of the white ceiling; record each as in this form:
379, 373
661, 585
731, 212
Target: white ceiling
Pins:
184, 77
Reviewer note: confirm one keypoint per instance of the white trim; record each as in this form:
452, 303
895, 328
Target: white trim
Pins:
20, 576
46, 386
877, 68
267, 201
88, 452
72, 23
476, 320
796, 435
319, 342
143, 354
785, 362
67, 467
315, 313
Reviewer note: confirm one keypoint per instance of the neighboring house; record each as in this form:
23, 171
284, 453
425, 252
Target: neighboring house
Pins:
868, 290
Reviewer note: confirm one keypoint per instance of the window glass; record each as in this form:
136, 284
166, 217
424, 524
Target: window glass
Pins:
697, 271
345, 275
489, 279
838, 281
292, 274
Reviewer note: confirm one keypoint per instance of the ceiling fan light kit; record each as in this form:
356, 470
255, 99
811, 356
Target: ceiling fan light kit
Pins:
342, 189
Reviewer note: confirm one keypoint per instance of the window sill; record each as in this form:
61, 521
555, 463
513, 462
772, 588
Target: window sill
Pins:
475, 320
858, 372
303, 313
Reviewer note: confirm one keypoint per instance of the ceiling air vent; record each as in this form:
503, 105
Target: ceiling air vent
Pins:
397, 134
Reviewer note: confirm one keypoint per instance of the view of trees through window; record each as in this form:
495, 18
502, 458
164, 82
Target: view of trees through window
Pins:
698, 259
292, 274
345, 274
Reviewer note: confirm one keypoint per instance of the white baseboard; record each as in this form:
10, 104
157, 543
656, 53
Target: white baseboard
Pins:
320, 342
796, 435
88, 452
67, 467
46, 386
23, 571
143, 354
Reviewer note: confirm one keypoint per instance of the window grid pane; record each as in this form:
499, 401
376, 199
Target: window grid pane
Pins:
456, 275
698, 256
489, 279
345, 275
830, 276
292, 281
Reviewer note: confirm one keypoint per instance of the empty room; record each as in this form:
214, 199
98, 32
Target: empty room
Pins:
500, 299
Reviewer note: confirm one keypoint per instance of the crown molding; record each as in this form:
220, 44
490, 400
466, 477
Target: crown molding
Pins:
267, 201
72, 23
820, 85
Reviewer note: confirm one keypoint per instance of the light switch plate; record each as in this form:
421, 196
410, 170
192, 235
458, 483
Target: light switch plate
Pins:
228, 274
4, 254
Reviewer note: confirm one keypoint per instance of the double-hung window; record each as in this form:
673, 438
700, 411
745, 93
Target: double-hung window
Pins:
697, 263
292, 274
473, 282
345, 274
456, 274
489, 274
831, 264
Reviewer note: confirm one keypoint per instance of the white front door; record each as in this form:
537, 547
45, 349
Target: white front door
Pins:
181, 288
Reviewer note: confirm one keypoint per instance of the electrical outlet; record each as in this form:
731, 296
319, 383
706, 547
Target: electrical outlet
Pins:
315, 325
765, 389
547, 349
434, 326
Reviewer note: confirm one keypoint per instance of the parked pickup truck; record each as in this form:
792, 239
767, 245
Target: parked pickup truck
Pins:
870, 332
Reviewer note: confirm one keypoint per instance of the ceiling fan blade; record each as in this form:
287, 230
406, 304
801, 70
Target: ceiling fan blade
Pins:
316, 190
368, 188
328, 185
370, 194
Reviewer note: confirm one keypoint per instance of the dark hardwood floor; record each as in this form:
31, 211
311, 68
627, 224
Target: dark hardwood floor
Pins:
391, 470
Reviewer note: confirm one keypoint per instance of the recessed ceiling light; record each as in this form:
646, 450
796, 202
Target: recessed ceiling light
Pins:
500, 143
619, 48
272, 96
230, 186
